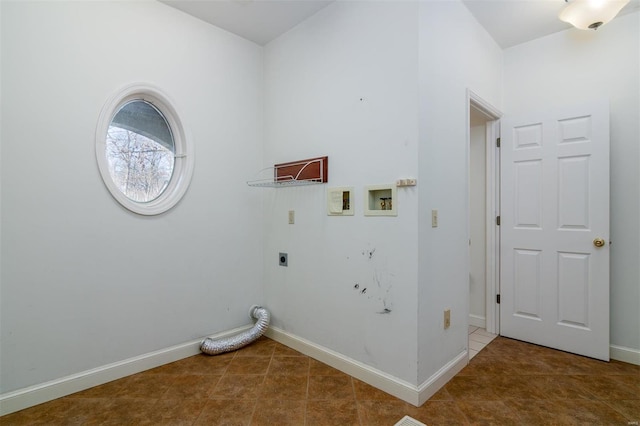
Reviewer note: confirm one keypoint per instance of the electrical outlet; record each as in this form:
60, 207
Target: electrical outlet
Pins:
292, 217
434, 218
447, 318
283, 259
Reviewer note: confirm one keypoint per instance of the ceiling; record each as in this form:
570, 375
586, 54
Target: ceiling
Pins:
509, 22
257, 20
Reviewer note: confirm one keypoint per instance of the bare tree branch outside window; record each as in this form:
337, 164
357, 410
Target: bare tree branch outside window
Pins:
140, 167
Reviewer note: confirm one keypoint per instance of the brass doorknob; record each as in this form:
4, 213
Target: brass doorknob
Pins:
598, 242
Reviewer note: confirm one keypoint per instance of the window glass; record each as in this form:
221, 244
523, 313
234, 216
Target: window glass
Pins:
140, 151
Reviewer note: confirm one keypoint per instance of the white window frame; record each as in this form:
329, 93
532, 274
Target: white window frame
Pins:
183, 157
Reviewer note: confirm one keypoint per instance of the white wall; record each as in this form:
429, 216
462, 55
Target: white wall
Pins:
456, 54
85, 282
477, 224
373, 85
575, 66
344, 84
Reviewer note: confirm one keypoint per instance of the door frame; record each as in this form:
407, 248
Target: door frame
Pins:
492, 184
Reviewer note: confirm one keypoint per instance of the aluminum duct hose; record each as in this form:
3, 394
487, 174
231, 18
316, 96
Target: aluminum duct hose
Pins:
232, 343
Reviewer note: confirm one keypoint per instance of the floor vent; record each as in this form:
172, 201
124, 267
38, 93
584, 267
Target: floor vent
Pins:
408, 421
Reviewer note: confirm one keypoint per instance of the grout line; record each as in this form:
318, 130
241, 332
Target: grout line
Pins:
355, 399
306, 401
253, 411
455, 401
259, 393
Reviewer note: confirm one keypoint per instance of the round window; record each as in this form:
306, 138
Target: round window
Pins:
143, 155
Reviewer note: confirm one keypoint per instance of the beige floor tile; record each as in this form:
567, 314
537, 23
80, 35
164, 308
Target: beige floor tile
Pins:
332, 412
281, 412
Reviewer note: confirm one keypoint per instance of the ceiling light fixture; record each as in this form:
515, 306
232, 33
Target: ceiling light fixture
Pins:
591, 14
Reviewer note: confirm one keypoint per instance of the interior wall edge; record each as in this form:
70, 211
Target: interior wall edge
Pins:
20, 399
440, 378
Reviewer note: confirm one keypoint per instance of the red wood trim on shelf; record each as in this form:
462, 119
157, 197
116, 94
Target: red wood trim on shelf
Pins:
312, 169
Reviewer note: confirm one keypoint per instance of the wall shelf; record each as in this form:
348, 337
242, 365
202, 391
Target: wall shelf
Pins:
296, 173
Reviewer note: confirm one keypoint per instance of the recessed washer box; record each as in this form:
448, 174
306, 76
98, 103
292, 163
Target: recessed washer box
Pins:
340, 201
380, 200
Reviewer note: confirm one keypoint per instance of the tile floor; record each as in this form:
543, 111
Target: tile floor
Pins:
506, 383
478, 339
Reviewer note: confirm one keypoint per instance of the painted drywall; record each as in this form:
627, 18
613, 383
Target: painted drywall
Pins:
456, 54
371, 85
576, 66
344, 84
477, 225
86, 283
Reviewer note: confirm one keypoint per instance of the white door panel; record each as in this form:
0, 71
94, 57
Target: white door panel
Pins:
554, 203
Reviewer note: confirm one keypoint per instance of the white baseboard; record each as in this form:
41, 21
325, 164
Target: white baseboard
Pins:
477, 321
620, 353
442, 376
33, 395
399, 388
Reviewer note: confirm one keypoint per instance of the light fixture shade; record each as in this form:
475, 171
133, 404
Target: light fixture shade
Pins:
590, 14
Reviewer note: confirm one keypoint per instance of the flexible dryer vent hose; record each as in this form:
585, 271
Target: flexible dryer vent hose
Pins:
232, 343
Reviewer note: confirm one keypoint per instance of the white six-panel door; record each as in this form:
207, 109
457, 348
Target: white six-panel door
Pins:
554, 281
